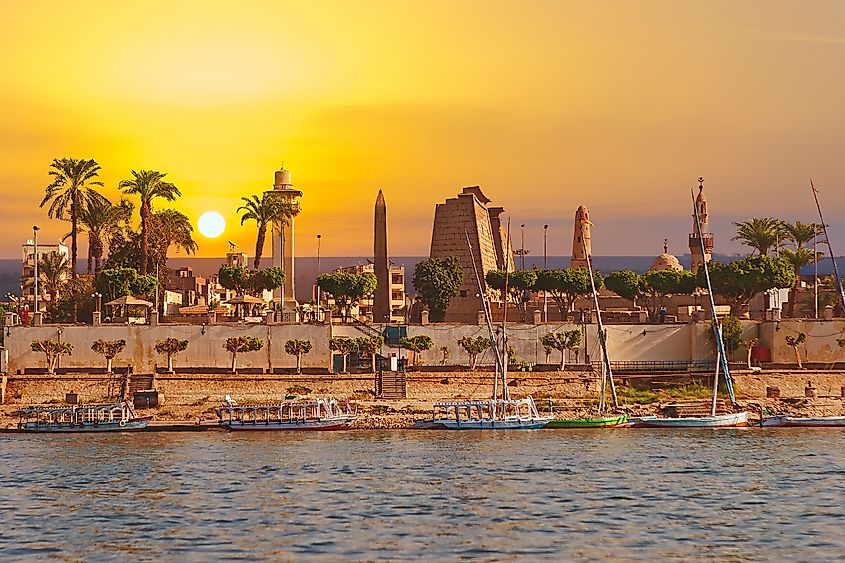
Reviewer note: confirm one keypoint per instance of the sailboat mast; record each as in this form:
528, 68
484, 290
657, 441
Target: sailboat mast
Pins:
485, 306
717, 333
829, 247
505, 359
607, 371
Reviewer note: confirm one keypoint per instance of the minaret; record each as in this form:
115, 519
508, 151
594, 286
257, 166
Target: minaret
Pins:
381, 299
581, 246
283, 236
706, 235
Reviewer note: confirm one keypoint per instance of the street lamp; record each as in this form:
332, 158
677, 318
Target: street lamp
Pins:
35, 259
545, 267
522, 245
319, 295
97, 296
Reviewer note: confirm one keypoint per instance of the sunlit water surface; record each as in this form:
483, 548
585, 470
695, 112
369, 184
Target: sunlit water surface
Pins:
748, 494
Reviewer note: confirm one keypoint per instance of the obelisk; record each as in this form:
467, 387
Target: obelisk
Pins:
381, 299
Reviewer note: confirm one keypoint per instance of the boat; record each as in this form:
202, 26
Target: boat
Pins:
589, 422
603, 420
315, 414
712, 421
494, 414
111, 417
805, 422
499, 412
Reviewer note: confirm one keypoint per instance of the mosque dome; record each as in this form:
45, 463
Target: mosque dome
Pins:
666, 261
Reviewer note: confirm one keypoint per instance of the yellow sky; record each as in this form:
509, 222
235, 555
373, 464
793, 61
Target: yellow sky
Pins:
618, 106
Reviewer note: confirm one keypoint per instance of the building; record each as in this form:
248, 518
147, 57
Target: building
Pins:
582, 247
468, 216
666, 261
364, 309
696, 237
28, 267
283, 241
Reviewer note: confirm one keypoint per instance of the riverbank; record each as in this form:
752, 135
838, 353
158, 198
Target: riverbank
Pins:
189, 400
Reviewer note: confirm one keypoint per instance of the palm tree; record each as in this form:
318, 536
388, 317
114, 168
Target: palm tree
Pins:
172, 227
52, 274
759, 234
264, 210
71, 191
800, 233
147, 185
102, 219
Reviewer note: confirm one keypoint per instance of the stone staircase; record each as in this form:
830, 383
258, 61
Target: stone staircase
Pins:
391, 385
140, 382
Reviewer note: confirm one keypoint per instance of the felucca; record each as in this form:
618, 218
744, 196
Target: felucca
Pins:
713, 420
501, 412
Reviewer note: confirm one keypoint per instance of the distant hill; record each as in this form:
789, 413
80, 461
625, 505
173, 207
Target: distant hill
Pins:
306, 267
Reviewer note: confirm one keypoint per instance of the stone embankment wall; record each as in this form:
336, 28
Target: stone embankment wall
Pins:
642, 342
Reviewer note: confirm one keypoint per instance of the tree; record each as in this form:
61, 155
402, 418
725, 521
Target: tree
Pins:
658, 285
416, 344
234, 277
169, 227
242, 344
795, 342
298, 348
437, 281
148, 185
117, 282
518, 283
562, 342
265, 210
370, 345
740, 280
267, 279
109, 349
474, 347
731, 334
71, 191
170, 347
566, 285
101, 220
53, 350
344, 345
626, 284
53, 271
799, 234
798, 258
347, 288
761, 234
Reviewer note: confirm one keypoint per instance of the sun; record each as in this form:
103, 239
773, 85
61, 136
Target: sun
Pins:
211, 224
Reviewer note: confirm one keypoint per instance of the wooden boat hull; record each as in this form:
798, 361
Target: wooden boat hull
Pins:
449, 424
804, 422
129, 426
718, 421
601, 422
308, 425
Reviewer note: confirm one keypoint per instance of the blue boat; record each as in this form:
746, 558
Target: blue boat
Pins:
111, 417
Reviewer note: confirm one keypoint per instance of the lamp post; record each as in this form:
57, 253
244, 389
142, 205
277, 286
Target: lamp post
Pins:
545, 267
319, 294
522, 246
98, 299
35, 259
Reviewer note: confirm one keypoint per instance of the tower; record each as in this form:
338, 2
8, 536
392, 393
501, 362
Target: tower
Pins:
283, 238
696, 237
582, 248
381, 299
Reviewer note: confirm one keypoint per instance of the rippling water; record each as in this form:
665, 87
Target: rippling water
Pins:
371, 495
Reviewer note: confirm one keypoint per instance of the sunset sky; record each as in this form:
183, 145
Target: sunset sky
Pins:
618, 106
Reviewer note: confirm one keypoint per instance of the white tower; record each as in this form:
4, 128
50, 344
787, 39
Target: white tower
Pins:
283, 239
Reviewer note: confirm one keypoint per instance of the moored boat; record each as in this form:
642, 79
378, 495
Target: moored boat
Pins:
805, 422
588, 422
713, 421
111, 417
493, 414
314, 414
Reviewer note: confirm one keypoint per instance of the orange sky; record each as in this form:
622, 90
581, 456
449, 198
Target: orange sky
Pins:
618, 106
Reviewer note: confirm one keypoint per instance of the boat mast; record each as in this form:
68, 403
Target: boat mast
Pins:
717, 331
505, 392
829, 248
606, 372
485, 306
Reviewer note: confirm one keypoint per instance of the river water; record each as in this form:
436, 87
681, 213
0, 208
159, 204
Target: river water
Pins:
736, 494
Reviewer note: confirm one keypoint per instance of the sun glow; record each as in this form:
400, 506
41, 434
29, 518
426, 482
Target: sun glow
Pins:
211, 224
